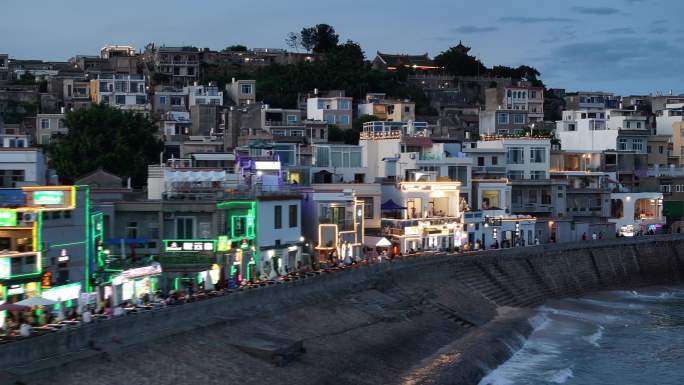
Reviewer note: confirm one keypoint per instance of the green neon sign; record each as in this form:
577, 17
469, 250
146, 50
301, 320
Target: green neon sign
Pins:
49, 197
8, 218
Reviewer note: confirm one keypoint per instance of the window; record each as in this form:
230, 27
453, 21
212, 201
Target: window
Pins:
491, 200
515, 155
516, 174
407, 109
537, 154
660, 149
120, 99
162, 100
480, 161
185, 228
132, 230
45, 124
648, 149
518, 119
628, 124
277, 217
584, 115
291, 119
60, 124
293, 215
140, 99
638, 124
152, 231
330, 119
9, 178
537, 175
459, 173
622, 144
176, 101
508, 93
637, 145
344, 104
246, 89
368, 209
495, 160
616, 208
665, 188
502, 118
533, 94
344, 119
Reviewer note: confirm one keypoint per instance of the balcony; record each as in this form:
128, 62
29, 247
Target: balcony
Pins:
342, 225
532, 207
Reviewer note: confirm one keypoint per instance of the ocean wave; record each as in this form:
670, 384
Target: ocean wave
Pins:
594, 338
592, 317
560, 376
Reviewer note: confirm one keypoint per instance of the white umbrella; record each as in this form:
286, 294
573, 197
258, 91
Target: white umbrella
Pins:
37, 301
383, 242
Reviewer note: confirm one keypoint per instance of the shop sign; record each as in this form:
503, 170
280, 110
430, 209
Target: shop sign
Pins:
5, 268
8, 218
224, 243
50, 197
152, 269
189, 246
46, 280
63, 293
412, 230
267, 165
15, 289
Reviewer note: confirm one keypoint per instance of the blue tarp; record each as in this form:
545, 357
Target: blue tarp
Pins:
390, 205
12, 197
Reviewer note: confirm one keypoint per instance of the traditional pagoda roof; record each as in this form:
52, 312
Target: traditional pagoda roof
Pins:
399, 60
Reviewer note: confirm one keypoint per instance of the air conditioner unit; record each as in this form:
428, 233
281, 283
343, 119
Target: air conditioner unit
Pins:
28, 217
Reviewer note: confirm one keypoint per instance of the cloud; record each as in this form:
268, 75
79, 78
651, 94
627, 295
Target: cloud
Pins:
659, 30
620, 30
617, 59
532, 20
596, 10
469, 29
658, 21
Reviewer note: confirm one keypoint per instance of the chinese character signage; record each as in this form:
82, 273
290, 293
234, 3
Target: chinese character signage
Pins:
50, 197
189, 245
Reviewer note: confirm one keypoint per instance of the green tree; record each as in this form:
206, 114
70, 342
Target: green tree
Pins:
458, 63
100, 136
236, 48
319, 38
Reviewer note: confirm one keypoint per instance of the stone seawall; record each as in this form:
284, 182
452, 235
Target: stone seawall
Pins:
411, 321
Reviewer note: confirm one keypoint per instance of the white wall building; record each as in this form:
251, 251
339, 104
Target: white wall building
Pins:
600, 130
124, 91
333, 110
525, 158
22, 166
665, 119
637, 212
201, 94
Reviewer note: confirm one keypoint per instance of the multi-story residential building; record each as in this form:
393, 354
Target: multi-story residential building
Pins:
382, 108
600, 130
333, 108
337, 163
590, 100
179, 65
334, 221
167, 99
22, 165
48, 126
121, 58
76, 93
422, 214
174, 125
517, 97
201, 94
241, 92
124, 91
503, 122
659, 149
667, 118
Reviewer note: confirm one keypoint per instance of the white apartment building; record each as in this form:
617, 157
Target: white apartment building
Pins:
525, 158
665, 119
599, 130
124, 91
201, 94
22, 165
335, 110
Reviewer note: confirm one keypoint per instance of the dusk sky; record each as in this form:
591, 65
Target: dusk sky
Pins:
623, 46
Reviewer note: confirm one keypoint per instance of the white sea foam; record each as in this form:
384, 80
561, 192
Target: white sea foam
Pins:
594, 338
592, 317
560, 376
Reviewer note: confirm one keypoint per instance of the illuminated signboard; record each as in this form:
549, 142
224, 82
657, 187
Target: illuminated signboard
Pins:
46, 280
224, 243
49, 197
63, 293
152, 269
5, 268
412, 230
8, 218
267, 165
189, 245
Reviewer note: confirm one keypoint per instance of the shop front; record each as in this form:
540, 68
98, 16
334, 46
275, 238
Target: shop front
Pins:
134, 283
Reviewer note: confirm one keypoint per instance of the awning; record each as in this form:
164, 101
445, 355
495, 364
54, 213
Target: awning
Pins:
390, 205
383, 242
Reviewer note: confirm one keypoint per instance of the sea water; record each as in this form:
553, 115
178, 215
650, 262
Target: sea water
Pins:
609, 338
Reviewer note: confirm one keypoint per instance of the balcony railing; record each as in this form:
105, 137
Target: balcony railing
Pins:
342, 225
533, 207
